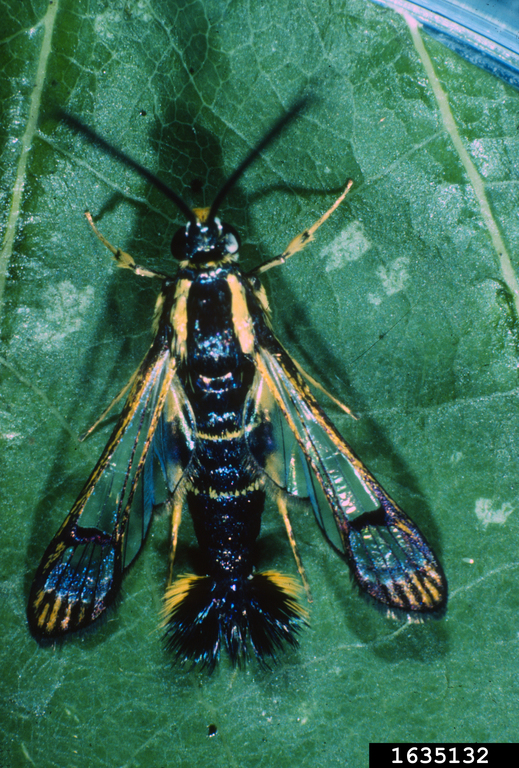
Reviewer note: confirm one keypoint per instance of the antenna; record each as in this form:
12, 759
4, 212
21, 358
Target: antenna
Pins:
98, 140
95, 138
294, 110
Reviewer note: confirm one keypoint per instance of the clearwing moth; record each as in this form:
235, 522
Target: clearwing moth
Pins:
221, 414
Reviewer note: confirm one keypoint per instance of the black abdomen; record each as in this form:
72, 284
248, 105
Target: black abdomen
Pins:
224, 496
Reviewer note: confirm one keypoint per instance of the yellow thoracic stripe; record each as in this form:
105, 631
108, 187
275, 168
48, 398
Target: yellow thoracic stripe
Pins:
241, 319
179, 318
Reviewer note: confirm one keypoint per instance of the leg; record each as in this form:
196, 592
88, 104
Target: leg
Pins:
282, 506
299, 242
122, 258
107, 410
178, 503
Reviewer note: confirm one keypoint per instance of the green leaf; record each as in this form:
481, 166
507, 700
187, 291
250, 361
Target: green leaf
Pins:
405, 307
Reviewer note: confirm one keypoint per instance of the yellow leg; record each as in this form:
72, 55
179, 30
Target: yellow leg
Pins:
178, 503
299, 242
320, 387
282, 506
107, 410
122, 258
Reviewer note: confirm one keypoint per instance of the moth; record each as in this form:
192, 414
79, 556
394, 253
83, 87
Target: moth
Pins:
221, 415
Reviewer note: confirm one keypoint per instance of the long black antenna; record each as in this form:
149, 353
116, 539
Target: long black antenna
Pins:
95, 138
124, 158
294, 110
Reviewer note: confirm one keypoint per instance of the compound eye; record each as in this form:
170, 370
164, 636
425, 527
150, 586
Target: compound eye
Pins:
179, 244
230, 239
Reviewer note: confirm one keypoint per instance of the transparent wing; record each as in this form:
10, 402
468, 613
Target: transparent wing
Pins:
174, 440
82, 568
388, 556
273, 444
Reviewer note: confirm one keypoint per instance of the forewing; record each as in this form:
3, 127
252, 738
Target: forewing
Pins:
388, 556
82, 568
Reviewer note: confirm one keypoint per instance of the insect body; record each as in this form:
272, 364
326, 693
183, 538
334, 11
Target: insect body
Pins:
221, 412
